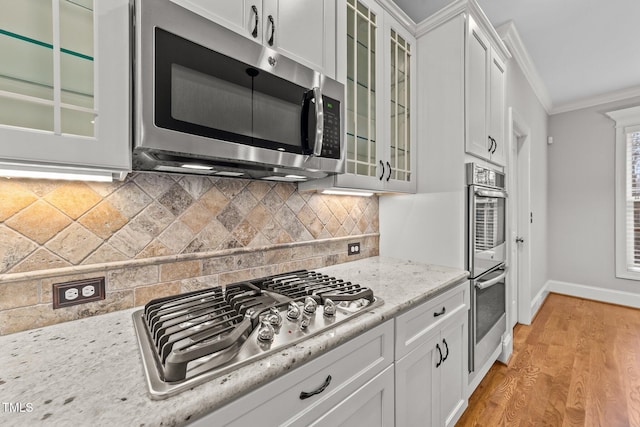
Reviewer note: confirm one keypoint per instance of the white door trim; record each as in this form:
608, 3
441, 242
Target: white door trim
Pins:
519, 292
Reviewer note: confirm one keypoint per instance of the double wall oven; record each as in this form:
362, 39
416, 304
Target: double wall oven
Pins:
486, 256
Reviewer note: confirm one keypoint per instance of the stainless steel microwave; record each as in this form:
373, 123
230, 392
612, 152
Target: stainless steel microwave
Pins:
210, 101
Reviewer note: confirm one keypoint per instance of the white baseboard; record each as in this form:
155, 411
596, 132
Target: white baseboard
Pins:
598, 294
538, 300
507, 348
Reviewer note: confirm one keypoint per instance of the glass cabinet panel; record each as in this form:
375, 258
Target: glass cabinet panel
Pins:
400, 155
76, 67
46, 72
361, 81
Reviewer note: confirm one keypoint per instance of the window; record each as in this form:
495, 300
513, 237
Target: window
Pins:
627, 192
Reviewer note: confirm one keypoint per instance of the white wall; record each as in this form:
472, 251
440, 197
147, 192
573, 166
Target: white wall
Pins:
429, 226
581, 200
522, 98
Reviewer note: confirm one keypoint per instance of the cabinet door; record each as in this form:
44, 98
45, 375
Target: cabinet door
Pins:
453, 371
303, 30
477, 96
363, 88
399, 155
241, 16
64, 84
370, 406
336, 375
417, 382
497, 109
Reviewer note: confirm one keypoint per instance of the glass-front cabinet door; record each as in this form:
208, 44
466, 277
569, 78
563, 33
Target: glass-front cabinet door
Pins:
64, 85
399, 175
379, 131
363, 87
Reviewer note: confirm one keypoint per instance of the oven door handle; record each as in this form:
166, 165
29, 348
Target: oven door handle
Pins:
491, 193
489, 283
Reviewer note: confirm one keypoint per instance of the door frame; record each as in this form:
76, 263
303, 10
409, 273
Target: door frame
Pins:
519, 292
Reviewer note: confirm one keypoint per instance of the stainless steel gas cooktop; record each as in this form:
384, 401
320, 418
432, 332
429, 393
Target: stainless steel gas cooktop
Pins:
191, 338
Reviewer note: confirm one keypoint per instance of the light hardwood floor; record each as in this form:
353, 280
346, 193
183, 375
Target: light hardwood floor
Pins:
578, 364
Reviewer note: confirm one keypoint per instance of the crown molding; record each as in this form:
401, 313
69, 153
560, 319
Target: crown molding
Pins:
592, 101
399, 14
625, 117
456, 8
440, 17
511, 37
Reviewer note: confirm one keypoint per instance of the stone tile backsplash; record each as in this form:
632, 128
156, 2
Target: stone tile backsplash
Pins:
158, 234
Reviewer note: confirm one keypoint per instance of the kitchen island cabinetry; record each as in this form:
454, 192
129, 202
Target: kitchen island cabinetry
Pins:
431, 361
302, 30
64, 88
350, 385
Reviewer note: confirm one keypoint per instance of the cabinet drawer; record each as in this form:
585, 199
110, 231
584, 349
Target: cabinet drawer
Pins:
419, 324
279, 402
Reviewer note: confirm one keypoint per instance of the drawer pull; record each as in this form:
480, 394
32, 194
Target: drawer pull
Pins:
440, 313
306, 395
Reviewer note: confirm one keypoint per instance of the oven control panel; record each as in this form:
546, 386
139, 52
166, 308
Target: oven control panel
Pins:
478, 175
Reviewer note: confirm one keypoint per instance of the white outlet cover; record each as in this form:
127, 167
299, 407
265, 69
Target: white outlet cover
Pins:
71, 294
88, 291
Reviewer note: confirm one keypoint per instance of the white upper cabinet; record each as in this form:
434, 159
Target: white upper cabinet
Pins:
64, 87
497, 109
485, 103
303, 30
376, 63
400, 70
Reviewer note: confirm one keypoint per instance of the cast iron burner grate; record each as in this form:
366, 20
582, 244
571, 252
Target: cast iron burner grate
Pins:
188, 338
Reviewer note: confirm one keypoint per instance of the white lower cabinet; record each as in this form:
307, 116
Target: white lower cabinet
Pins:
354, 385
369, 406
430, 379
358, 384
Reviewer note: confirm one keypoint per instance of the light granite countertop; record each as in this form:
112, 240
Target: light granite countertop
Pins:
89, 371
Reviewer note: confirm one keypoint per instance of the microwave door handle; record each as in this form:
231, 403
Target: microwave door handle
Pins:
489, 283
317, 146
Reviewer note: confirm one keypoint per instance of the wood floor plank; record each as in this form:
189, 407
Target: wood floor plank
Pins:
577, 365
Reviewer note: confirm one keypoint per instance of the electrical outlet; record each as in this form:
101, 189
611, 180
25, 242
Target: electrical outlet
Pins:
88, 291
78, 292
71, 294
353, 248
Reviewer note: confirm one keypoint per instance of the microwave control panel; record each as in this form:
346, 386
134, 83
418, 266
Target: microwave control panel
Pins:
331, 134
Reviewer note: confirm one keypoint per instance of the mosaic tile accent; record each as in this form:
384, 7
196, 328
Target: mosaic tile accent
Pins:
124, 227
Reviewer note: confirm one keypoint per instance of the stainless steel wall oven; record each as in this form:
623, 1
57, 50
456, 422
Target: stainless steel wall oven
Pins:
486, 257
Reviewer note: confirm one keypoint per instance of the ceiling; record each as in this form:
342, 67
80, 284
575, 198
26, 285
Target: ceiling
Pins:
582, 49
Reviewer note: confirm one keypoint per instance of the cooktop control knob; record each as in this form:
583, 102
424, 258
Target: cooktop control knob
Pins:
329, 308
293, 313
310, 305
304, 323
265, 331
274, 317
